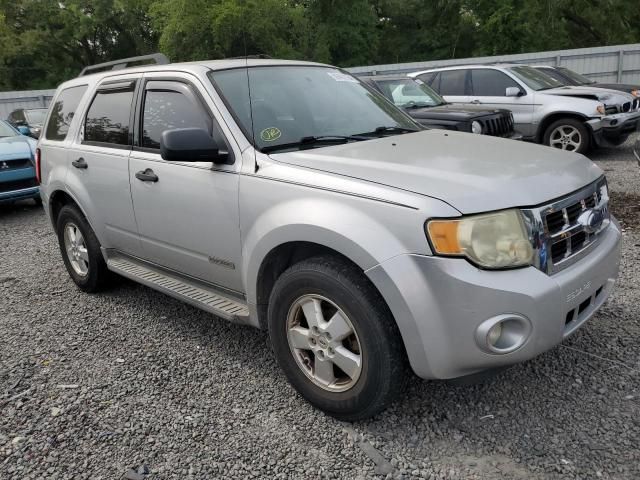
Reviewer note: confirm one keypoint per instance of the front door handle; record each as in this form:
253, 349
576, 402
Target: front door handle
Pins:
147, 175
476, 101
79, 163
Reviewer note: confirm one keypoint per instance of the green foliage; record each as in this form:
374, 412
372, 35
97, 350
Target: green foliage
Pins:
44, 42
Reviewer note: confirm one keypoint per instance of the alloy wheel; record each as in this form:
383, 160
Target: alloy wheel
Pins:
324, 343
76, 249
566, 137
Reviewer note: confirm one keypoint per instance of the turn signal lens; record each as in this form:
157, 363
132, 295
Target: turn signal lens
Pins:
444, 235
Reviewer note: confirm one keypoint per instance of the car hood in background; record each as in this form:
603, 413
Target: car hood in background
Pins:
625, 87
609, 97
473, 173
453, 112
16, 147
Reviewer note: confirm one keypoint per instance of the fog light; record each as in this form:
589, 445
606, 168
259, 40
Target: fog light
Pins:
503, 333
494, 334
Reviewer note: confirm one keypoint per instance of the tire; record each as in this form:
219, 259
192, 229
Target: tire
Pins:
568, 134
97, 275
340, 288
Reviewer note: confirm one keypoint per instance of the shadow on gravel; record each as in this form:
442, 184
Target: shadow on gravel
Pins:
626, 208
20, 207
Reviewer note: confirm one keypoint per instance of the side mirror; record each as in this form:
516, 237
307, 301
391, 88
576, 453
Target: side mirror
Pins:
23, 130
513, 92
191, 145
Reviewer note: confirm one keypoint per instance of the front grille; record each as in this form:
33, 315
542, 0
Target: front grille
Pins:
636, 104
626, 106
15, 164
500, 125
17, 185
574, 223
610, 110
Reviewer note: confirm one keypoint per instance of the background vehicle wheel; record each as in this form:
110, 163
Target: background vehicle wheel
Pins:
568, 134
335, 338
81, 250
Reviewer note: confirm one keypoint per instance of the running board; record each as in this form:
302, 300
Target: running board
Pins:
189, 291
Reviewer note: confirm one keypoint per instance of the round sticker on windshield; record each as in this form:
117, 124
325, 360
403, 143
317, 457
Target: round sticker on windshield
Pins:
270, 134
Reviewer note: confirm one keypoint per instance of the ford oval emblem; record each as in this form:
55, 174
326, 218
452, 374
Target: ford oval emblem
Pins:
591, 220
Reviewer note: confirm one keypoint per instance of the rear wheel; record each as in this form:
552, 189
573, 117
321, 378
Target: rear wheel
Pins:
81, 250
568, 134
335, 338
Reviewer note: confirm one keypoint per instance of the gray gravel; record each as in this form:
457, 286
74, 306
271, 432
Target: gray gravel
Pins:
132, 384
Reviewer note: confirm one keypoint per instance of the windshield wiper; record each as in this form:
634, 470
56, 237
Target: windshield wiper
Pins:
393, 130
311, 141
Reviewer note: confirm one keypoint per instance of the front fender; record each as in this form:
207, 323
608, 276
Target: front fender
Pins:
354, 233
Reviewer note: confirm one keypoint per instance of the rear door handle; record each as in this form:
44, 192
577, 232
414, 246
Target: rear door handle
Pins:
79, 163
147, 175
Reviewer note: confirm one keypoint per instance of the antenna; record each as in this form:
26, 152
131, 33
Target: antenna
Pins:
253, 134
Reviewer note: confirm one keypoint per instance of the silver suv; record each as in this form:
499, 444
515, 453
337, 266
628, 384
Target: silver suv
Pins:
288, 196
544, 110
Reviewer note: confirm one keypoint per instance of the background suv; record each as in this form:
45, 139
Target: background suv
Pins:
32, 118
545, 111
428, 108
571, 78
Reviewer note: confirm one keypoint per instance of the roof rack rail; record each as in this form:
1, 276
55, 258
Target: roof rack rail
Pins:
154, 58
252, 57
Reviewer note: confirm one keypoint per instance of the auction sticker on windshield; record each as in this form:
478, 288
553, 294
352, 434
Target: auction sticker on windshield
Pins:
270, 134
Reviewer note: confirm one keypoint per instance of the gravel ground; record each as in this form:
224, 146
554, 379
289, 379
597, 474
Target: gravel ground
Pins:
132, 384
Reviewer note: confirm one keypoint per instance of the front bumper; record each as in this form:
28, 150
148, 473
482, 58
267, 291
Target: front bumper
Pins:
18, 184
439, 303
613, 129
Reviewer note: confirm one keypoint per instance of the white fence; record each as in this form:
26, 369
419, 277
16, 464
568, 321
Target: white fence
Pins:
10, 101
619, 63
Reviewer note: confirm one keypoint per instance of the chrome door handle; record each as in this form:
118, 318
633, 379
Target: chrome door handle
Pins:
147, 175
476, 101
79, 163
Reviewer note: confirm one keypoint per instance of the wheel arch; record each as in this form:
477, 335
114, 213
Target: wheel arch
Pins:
552, 117
57, 200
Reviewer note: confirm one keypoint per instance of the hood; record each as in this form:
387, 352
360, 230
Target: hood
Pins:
603, 95
16, 147
473, 173
623, 87
453, 112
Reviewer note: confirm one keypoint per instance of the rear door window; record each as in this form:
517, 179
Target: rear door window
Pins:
491, 83
62, 112
109, 116
453, 82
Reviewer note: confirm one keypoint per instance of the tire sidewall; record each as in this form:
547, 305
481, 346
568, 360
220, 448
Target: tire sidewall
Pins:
294, 285
68, 215
584, 134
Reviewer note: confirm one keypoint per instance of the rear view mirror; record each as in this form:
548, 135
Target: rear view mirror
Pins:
513, 92
191, 145
23, 130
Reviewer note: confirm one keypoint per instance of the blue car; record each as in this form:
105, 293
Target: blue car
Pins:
17, 165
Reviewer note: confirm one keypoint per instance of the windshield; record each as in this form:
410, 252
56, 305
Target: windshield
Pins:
36, 117
535, 79
576, 77
407, 93
7, 131
290, 104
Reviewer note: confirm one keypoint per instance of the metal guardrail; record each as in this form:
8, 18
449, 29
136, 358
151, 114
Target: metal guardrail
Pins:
617, 63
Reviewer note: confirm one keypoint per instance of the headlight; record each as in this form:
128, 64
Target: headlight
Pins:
635, 93
492, 240
476, 127
601, 109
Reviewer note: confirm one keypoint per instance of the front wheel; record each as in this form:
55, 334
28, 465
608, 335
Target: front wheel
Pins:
568, 134
335, 338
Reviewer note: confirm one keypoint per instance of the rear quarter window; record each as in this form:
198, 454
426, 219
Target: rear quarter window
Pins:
63, 111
